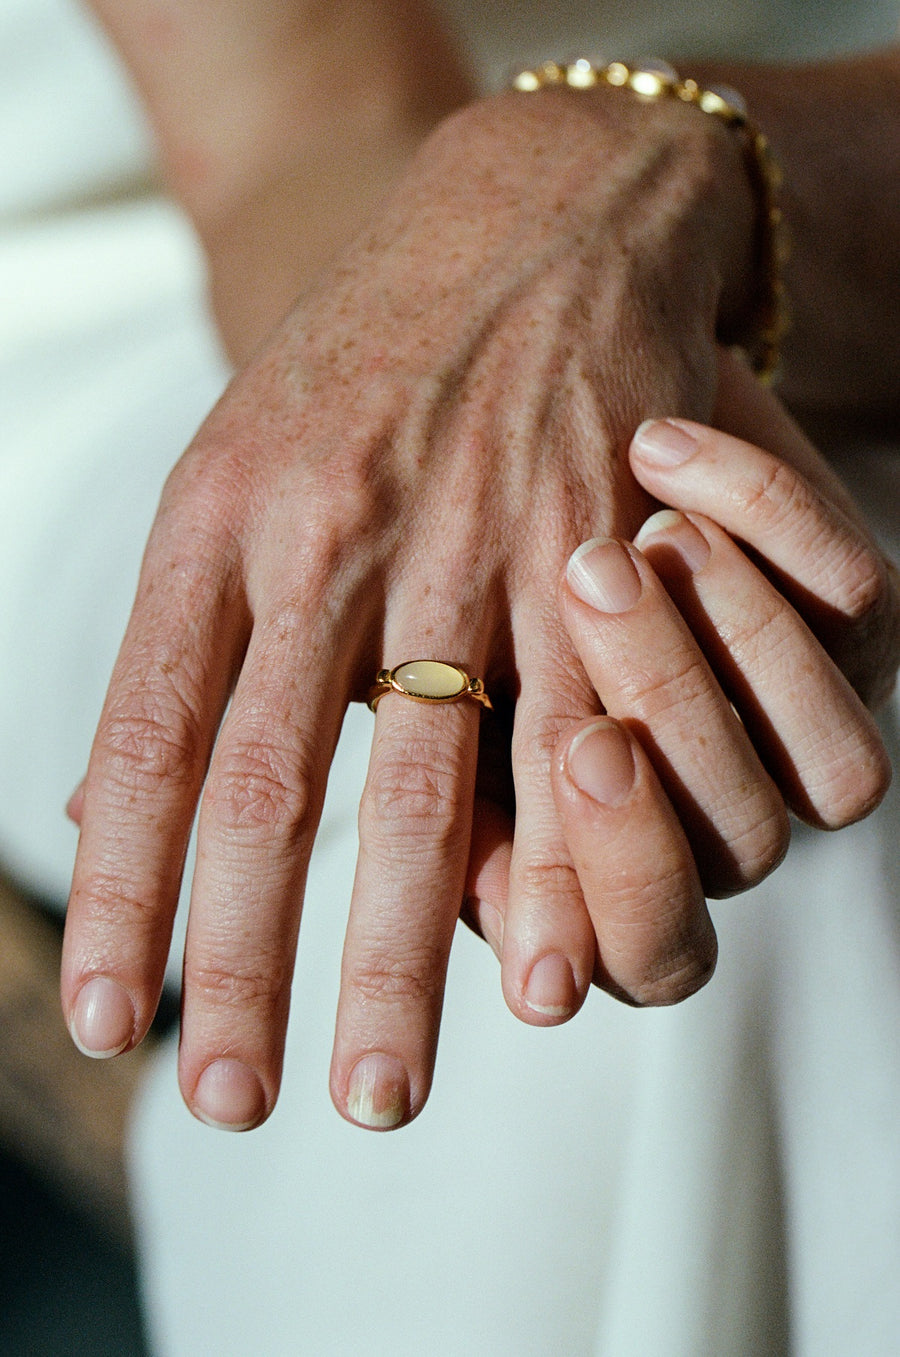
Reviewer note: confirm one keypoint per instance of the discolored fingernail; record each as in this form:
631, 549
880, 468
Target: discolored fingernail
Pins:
601, 764
664, 442
551, 987
102, 1022
602, 574
229, 1096
378, 1093
680, 535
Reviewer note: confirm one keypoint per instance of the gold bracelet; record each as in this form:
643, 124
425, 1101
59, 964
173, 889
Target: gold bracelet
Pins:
769, 317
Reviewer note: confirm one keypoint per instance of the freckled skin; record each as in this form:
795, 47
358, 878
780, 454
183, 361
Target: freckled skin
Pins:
343, 475
490, 303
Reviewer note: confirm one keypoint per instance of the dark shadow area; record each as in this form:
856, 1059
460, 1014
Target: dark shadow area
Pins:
65, 1291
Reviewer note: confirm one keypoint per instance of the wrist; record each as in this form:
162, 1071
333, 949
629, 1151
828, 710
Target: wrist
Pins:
739, 191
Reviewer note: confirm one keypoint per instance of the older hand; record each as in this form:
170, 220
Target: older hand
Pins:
403, 472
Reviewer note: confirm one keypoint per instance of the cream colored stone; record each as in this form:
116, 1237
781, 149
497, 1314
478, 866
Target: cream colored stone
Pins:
430, 678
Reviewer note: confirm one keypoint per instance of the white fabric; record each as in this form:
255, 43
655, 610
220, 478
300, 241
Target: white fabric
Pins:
107, 364
720, 1179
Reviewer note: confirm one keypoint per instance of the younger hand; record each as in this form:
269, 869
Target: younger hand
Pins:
400, 472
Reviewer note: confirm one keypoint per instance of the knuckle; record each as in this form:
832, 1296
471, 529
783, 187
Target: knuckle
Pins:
150, 745
675, 680
416, 977
777, 496
257, 785
536, 737
758, 638
550, 880
351, 496
113, 900
854, 576
244, 988
411, 796
207, 492
870, 786
320, 557
771, 842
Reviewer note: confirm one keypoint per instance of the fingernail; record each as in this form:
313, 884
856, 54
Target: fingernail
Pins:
602, 574
601, 764
664, 442
680, 534
658, 522
551, 987
229, 1096
103, 1018
378, 1095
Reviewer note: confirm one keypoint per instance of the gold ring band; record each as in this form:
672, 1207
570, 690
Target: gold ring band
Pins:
427, 681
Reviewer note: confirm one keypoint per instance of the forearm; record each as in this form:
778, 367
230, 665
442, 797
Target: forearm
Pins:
236, 89
280, 125
283, 124
836, 130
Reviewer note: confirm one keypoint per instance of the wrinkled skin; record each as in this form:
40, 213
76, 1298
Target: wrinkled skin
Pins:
403, 471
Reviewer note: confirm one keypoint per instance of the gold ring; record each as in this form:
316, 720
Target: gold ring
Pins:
427, 681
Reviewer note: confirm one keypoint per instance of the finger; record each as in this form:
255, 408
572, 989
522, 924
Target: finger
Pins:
493, 827
487, 877
753, 413
549, 948
258, 818
822, 559
765, 502
816, 737
166, 696
415, 825
655, 938
650, 673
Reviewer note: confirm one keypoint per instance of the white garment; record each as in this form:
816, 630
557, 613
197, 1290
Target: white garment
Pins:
721, 1178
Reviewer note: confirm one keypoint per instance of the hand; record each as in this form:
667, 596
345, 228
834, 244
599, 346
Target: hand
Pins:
403, 471
814, 543
764, 618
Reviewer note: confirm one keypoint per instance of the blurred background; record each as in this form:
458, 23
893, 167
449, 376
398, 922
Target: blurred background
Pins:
67, 1276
